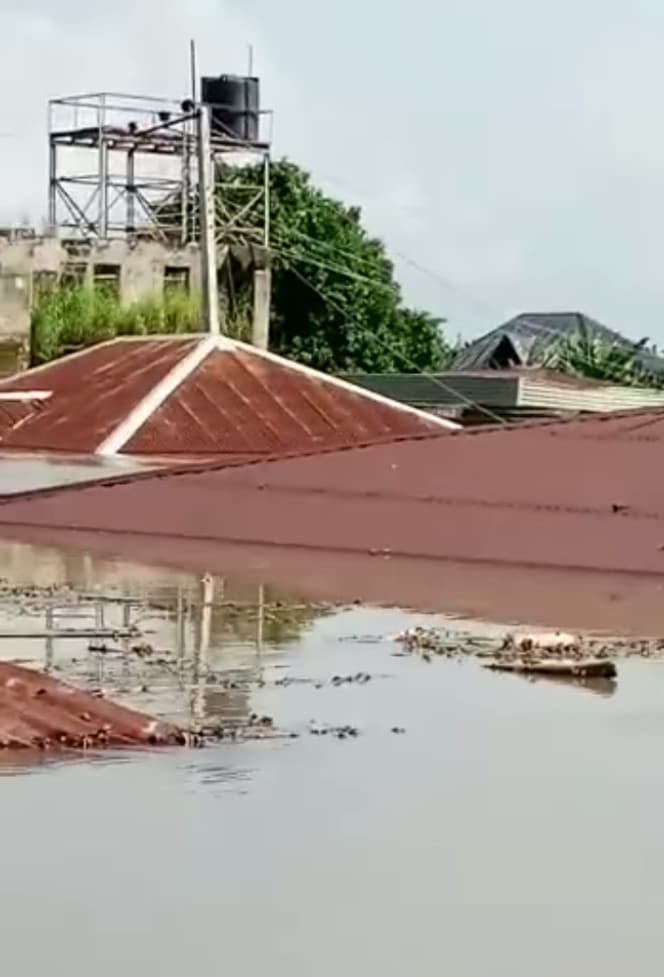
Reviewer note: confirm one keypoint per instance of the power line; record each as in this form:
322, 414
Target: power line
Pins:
397, 352
538, 327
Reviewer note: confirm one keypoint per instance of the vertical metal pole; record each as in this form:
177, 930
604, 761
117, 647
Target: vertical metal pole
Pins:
260, 622
180, 625
193, 71
99, 615
50, 649
52, 186
185, 193
206, 208
102, 223
203, 646
131, 191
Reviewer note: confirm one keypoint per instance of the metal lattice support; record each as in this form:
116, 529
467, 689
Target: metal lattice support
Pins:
126, 166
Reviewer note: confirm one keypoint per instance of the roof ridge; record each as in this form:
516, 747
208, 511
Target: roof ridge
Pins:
157, 396
346, 385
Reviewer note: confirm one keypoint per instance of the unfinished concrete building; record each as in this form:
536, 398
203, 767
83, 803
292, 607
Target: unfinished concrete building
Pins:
123, 183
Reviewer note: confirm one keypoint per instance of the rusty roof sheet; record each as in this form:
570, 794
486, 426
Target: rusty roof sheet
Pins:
196, 396
39, 712
14, 412
91, 393
577, 500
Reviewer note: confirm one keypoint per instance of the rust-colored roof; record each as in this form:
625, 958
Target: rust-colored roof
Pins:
39, 712
13, 412
196, 396
578, 498
92, 393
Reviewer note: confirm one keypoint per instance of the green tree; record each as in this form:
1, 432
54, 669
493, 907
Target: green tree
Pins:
584, 355
336, 304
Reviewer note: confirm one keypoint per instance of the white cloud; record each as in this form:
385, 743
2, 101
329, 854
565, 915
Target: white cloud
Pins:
515, 147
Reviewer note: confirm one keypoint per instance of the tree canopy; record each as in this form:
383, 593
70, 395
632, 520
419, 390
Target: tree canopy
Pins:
583, 355
335, 302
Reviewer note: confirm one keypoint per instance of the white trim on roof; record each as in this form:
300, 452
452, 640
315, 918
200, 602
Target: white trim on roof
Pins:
25, 395
159, 394
346, 385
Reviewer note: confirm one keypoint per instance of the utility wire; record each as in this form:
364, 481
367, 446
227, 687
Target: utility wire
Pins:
432, 377
536, 326
451, 286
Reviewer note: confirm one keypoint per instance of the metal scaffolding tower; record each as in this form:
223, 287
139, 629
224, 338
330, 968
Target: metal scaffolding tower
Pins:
127, 166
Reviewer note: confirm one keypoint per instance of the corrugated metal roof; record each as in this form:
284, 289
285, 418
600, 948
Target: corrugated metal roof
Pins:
92, 393
39, 712
503, 390
583, 497
195, 396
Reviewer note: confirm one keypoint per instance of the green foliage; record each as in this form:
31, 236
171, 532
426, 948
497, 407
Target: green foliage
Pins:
71, 317
584, 355
335, 303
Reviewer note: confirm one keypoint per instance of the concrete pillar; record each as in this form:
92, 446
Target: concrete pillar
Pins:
262, 295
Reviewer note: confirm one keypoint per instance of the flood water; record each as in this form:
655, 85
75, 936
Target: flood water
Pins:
515, 828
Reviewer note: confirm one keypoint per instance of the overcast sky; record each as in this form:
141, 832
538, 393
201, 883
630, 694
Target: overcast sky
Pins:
514, 148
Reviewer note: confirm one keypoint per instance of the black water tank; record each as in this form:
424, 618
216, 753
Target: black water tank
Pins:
235, 102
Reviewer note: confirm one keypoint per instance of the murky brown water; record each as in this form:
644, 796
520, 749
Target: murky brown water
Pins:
515, 829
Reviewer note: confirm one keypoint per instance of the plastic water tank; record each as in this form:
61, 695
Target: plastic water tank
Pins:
235, 103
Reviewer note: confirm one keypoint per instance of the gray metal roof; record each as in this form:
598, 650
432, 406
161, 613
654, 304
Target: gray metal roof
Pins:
526, 389
531, 337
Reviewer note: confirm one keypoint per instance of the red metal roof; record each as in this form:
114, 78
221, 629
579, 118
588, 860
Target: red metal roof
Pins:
583, 497
92, 392
197, 396
14, 412
39, 712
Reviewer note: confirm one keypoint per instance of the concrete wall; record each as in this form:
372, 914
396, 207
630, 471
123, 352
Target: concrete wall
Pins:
141, 265
138, 269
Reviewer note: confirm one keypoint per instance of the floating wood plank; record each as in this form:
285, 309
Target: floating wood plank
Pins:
586, 668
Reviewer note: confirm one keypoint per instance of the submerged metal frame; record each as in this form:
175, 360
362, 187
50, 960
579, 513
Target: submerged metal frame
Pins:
93, 199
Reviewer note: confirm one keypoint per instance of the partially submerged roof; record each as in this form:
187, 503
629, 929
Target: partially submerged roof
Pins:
527, 340
582, 500
38, 712
191, 396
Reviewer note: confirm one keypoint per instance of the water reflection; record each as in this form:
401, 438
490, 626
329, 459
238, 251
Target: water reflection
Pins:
179, 647
604, 687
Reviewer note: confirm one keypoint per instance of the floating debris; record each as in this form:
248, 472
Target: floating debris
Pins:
336, 732
588, 668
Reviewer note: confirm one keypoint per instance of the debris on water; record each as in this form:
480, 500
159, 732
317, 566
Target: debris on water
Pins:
338, 732
398, 730
361, 679
527, 646
556, 641
585, 668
